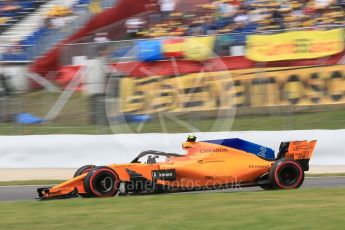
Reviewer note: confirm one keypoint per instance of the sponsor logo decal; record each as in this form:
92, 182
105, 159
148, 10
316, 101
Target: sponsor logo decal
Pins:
217, 150
169, 174
258, 166
210, 161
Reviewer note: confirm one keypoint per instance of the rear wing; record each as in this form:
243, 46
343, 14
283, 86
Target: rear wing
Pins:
300, 151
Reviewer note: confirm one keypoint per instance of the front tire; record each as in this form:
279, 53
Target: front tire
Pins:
83, 169
101, 182
80, 171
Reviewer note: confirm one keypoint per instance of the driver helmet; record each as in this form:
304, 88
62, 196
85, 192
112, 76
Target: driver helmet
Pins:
191, 138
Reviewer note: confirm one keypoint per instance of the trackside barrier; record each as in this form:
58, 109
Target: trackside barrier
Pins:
71, 151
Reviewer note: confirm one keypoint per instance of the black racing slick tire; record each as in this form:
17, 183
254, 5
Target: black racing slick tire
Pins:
101, 182
286, 174
80, 171
83, 169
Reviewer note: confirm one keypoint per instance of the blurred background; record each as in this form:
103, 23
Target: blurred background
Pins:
105, 66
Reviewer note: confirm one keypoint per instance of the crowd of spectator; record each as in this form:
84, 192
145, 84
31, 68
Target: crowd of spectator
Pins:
205, 17
236, 16
58, 17
13, 11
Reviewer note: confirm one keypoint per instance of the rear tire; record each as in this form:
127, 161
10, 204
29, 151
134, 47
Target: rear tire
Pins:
286, 174
101, 182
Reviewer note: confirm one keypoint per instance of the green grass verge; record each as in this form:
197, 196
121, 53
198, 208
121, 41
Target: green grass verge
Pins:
318, 120
75, 119
292, 209
30, 182
324, 174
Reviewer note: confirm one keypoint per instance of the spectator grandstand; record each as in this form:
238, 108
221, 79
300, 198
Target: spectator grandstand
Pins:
234, 16
58, 20
48, 23
12, 12
230, 20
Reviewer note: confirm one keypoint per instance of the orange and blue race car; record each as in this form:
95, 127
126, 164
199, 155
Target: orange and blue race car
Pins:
210, 164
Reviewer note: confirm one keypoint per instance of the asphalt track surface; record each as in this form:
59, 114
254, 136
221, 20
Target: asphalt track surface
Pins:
28, 192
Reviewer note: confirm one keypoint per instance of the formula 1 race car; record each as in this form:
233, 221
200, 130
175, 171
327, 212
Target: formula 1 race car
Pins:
212, 164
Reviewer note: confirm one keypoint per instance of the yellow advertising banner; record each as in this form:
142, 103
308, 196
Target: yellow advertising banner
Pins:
250, 88
198, 48
294, 45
